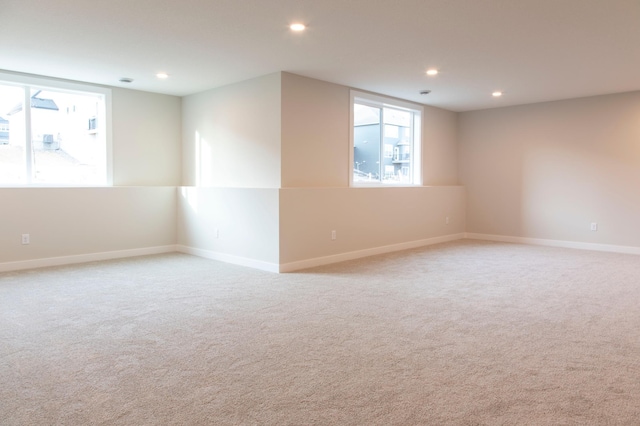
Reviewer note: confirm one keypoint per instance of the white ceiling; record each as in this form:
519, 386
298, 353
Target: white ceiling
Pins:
533, 50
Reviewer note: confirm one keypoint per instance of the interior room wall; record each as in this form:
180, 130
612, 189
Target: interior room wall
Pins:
228, 206
76, 224
366, 221
305, 124
146, 129
315, 127
231, 135
316, 132
316, 197
545, 171
440, 152
549, 170
238, 225
79, 224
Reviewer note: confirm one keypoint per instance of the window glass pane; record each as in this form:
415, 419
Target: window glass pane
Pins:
390, 131
397, 169
397, 117
12, 137
366, 143
397, 166
67, 138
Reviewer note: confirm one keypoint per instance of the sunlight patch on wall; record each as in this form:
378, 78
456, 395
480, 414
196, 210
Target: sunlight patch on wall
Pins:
190, 194
203, 161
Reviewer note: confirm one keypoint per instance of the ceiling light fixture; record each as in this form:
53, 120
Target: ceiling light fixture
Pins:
425, 92
162, 75
126, 80
432, 71
496, 94
297, 27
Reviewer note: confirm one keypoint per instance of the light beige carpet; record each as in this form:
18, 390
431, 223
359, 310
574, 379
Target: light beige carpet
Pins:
463, 333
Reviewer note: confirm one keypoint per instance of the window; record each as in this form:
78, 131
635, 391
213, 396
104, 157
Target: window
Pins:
385, 141
93, 125
44, 136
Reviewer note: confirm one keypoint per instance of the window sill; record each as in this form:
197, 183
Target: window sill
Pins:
385, 185
57, 185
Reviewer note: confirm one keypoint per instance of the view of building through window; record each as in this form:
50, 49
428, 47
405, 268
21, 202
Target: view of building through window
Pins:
386, 143
56, 139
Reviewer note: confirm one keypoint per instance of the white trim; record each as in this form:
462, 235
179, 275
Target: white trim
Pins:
555, 243
319, 261
387, 101
351, 136
28, 135
50, 82
107, 115
229, 258
83, 258
416, 150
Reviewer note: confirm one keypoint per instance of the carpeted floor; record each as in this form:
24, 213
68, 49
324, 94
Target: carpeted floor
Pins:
463, 333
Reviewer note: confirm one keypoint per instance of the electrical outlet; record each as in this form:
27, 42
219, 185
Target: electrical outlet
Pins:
446, 220
25, 239
594, 226
333, 235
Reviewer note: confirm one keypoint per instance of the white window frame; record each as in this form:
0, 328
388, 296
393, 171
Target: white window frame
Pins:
416, 153
28, 82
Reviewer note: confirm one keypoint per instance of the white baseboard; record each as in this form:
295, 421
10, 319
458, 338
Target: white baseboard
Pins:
307, 263
228, 258
325, 260
82, 258
555, 243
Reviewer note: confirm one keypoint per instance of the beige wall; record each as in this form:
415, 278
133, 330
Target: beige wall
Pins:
364, 218
231, 135
311, 139
440, 152
78, 221
146, 138
549, 170
231, 168
264, 161
316, 197
315, 133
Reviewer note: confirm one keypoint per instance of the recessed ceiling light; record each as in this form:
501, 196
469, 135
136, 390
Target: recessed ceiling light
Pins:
297, 27
162, 75
496, 94
432, 71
